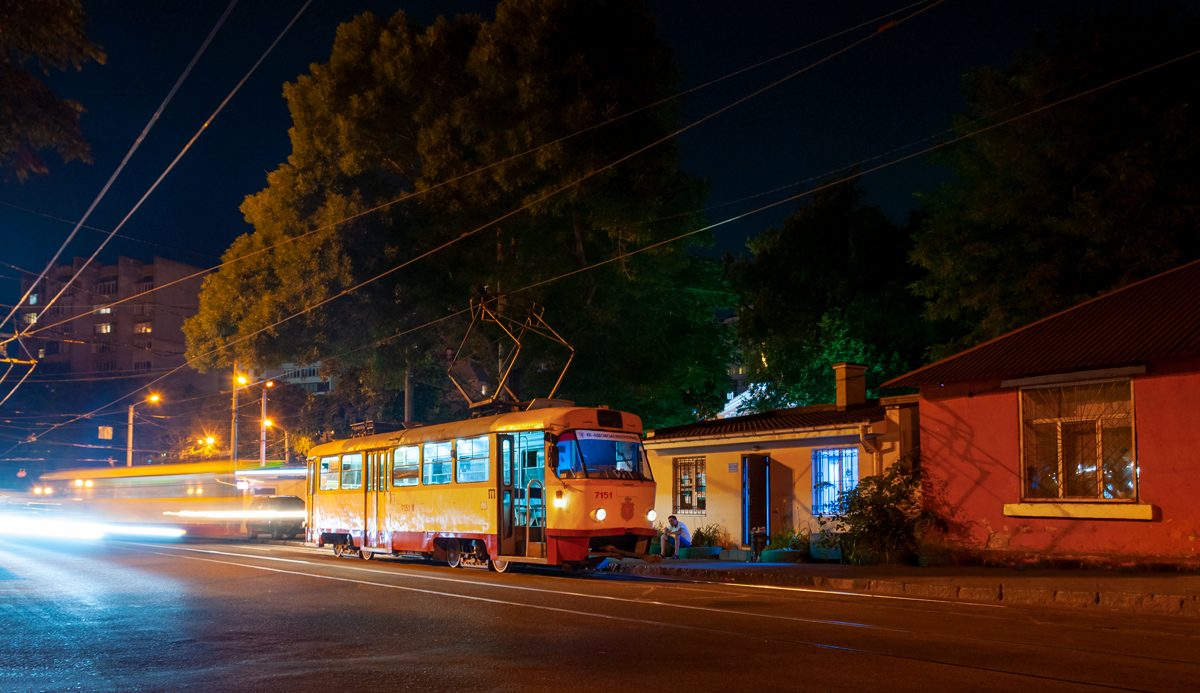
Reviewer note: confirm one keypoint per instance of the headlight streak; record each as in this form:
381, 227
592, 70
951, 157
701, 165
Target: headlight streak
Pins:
63, 528
238, 514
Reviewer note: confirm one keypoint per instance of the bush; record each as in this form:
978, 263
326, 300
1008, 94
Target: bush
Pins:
883, 515
789, 540
710, 535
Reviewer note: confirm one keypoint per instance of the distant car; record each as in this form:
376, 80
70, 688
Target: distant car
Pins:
284, 526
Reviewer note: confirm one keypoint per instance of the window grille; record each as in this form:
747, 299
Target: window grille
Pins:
106, 287
106, 366
1078, 442
141, 366
835, 471
145, 285
690, 484
103, 348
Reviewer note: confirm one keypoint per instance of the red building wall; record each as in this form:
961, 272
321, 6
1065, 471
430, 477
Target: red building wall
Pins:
970, 441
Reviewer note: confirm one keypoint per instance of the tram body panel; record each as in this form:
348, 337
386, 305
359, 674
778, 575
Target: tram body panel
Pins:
414, 495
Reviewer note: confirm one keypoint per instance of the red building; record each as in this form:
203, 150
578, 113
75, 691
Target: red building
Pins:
1074, 434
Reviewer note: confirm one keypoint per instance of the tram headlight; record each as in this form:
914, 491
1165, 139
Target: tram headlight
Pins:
79, 482
651, 515
599, 514
38, 490
88, 483
47, 490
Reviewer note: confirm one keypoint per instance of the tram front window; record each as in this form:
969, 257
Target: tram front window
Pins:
601, 455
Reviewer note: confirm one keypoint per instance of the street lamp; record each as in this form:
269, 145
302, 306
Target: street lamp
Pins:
152, 399
262, 430
286, 448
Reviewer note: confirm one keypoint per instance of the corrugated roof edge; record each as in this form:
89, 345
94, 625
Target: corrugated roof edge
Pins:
913, 378
871, 410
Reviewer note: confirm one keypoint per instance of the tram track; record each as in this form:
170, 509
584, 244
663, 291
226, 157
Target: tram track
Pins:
308, 569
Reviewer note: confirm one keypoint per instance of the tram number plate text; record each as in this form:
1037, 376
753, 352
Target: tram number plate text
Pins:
604, 494
406, 507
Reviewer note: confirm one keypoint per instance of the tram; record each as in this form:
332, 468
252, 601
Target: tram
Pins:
212, 498
553, 485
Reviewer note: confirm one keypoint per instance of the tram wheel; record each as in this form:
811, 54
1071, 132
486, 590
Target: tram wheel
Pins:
366, 555
498, 566
337, 550
453, 554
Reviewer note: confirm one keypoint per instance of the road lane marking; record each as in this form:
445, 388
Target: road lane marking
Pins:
627, 619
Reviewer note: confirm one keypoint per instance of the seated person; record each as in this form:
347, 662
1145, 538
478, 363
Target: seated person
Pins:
676, 536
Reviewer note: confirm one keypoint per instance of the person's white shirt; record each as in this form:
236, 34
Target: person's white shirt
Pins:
679, 530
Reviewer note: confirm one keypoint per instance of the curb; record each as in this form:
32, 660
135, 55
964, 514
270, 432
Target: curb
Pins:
1169, 604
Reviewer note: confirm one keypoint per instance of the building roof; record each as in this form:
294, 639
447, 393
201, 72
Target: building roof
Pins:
1156, 318
818, 416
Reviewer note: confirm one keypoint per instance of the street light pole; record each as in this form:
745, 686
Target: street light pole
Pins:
129, 432
262, 432
233, 421
129, 439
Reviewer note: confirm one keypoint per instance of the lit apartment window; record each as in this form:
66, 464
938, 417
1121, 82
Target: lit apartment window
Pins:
33, 299
690, 482
29, 318
1078, 442
835, 471
102, 328
143, 327
42, 353
104, 310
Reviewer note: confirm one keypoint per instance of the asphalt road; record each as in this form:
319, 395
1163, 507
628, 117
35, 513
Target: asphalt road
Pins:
136, 616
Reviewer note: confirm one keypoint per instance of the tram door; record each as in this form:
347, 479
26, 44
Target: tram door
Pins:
370, 524
531, 493
506, 459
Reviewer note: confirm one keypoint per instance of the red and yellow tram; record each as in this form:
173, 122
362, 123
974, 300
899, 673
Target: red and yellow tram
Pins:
558, 485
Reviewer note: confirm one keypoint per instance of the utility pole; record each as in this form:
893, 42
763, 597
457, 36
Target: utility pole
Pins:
262, 430
129, 440
408, 393
233, 422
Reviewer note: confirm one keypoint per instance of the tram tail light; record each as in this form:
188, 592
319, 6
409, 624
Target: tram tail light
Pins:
599, 514
559, 501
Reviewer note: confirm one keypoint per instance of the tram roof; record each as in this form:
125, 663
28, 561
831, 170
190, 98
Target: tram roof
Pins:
547, 419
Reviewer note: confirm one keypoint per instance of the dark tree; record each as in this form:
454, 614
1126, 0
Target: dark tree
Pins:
828, 286
402, 110
1074, 201
40, 35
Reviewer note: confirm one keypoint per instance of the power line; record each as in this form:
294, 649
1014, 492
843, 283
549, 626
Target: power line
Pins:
137, 143
510, 158
118, 235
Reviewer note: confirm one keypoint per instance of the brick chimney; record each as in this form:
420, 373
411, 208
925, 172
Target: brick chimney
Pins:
851, 382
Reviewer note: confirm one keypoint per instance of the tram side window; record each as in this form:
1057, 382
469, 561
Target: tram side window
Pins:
438, 463
352, 470
329, 473
473, 460
406, 466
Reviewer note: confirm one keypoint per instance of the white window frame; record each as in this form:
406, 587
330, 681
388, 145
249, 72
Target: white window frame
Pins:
837, 489
699, 467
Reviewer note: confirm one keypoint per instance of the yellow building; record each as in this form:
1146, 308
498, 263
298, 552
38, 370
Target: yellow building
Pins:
778, 469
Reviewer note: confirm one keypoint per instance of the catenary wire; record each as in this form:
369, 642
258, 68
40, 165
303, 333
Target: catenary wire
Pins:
137, 143
501, 162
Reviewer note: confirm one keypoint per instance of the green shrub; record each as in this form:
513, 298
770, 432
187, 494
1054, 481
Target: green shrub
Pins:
789, 540
710, 535
882, 515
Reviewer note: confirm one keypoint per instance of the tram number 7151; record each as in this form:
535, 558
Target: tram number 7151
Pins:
604, 494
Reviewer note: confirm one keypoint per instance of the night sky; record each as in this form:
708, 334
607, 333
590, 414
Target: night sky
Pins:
890, 92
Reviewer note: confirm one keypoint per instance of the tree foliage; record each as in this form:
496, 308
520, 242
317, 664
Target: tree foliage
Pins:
44, 35
404, 111
1075, 201
828, 286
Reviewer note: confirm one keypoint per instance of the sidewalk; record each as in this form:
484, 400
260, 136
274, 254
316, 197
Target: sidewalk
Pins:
1146, 592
